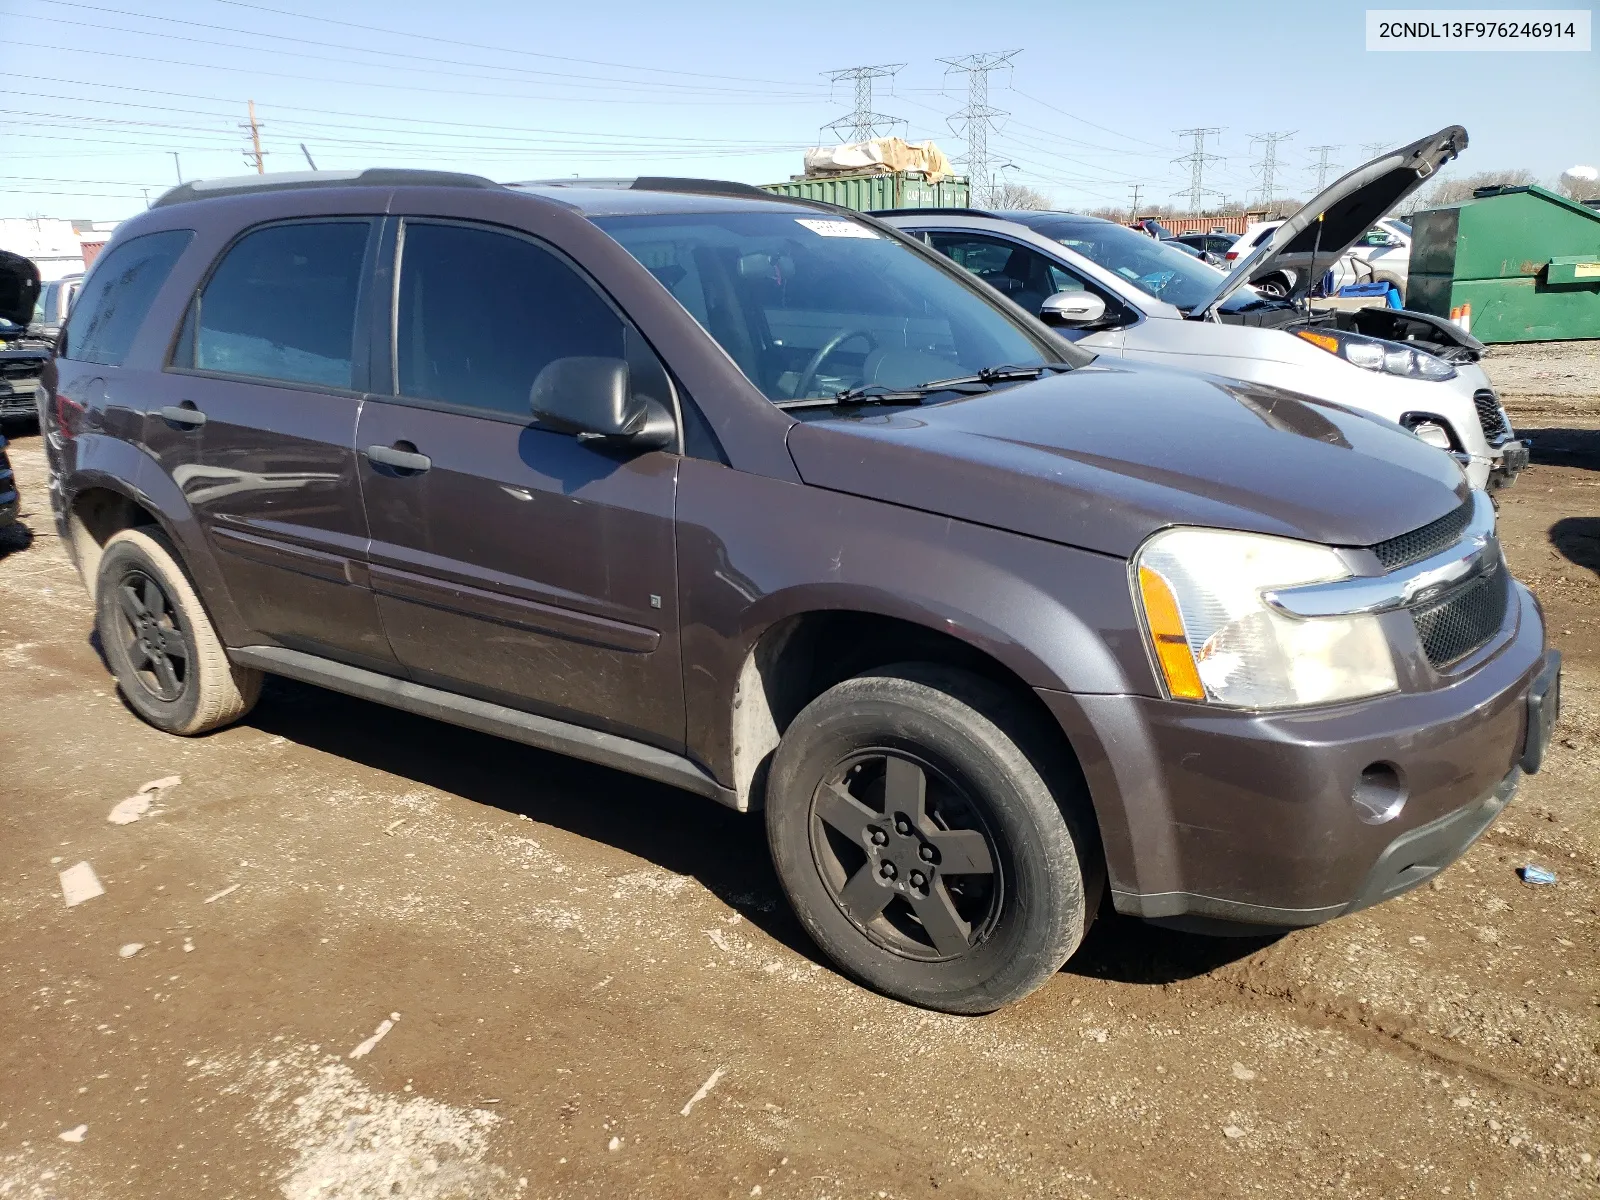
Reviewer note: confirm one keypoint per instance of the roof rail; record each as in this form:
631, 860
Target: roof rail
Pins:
239, 185
917, 212
657, 183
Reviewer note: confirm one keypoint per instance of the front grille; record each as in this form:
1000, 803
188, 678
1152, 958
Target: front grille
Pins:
1424, 543
1455, 627
21, 368
1495, 426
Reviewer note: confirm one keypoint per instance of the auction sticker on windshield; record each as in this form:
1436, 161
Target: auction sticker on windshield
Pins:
847, 229
1478, 29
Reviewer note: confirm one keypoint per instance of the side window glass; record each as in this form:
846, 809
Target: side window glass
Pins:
118, 294
481, 313
281, 305
1022, 275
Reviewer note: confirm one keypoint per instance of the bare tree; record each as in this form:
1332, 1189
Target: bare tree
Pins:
1015, 195
1574, 188
1453, 191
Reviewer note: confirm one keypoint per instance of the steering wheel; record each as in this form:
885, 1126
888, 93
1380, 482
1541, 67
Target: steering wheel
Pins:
825, 351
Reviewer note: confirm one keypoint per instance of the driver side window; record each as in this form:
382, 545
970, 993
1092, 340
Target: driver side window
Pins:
1023, 275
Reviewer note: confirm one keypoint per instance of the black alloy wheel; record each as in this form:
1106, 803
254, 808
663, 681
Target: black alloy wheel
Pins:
904, 852
151, 636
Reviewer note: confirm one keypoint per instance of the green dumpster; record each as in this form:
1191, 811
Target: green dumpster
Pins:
867, 190
1513, 264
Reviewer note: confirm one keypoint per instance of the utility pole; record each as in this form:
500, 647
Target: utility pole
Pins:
1134, 211
146, 192
862, 123
1197, 160
975, 122
177, 166
1322, 166
1268, 165
307, 153
254, 154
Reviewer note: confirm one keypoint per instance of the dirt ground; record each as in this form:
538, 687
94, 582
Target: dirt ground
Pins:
589, 985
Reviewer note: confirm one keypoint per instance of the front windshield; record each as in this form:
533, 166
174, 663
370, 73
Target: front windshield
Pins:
814, 304
1156, 268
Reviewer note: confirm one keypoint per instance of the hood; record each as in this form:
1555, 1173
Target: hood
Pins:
1318, 235
1105, 455
19, 288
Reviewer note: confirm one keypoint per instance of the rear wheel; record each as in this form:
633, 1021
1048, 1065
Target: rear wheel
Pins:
169, 663
923, 848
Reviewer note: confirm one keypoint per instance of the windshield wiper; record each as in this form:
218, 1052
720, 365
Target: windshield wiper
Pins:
877, 393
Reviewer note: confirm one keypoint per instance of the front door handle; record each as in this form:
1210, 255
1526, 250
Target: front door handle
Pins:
184, 414
400, 460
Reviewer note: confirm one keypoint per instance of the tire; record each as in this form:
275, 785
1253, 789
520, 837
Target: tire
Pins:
146, 611
882, 783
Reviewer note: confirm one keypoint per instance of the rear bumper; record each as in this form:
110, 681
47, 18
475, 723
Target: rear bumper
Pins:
1251, 818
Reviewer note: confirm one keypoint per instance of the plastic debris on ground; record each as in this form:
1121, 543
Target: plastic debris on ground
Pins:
80, 883
365, 1048
126, 812
1535, 875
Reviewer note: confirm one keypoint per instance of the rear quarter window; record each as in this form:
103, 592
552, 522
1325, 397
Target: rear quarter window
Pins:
117, 296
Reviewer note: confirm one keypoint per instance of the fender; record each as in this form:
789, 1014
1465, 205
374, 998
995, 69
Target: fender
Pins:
755, 552
99, 461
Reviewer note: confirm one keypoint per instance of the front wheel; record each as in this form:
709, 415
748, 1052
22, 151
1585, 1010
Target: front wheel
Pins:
933, 838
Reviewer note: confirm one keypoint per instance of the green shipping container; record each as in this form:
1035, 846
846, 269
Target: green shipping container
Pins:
884, 189
1512, 265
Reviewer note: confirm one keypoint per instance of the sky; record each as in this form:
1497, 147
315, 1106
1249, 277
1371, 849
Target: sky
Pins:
98, 96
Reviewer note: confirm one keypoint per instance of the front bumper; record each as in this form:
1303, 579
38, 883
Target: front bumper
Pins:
1248, 818
1512, 459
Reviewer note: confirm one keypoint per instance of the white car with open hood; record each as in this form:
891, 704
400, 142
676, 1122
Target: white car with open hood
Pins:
1114, 290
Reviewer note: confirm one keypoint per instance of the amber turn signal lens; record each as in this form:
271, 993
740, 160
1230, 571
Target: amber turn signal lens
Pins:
1171, 643
1330, 344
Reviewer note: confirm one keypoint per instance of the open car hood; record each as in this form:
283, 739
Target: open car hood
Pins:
19, 288
1318, 235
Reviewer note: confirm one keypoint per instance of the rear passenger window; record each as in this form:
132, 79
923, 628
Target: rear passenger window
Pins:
118, 294
281, 305
482, 313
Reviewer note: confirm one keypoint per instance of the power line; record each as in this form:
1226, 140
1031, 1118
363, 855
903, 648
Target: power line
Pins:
861, 122
1196, 160
975, 122
1133, 208
1269, 161
1322, 166
1373, 149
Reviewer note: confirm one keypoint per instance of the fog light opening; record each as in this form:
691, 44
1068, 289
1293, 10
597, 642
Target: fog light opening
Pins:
1379, 794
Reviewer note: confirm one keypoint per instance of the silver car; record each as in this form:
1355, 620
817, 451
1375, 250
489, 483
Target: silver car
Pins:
1117, 291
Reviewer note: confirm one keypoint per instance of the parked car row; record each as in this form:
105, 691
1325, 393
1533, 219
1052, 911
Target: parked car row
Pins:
850, 521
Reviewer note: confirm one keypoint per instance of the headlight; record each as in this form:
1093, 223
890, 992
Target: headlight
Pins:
1215, 639
1374, 354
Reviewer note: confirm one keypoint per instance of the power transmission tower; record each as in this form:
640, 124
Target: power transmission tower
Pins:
862, 123
1322, 166
1373, 149
255, 154
976, 121
1268, 165
1197, 160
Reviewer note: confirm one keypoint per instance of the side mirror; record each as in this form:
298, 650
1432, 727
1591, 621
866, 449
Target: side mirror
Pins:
1072, 308
19, 288
592, 399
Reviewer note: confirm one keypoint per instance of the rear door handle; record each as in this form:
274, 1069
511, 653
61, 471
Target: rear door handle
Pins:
184, 414
400, 460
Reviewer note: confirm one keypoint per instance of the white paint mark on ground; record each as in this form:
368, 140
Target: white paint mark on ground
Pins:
365, 1048
347, 1142
703, 1091
75, 1134
130, 949
126, 812
80, 883
227, 891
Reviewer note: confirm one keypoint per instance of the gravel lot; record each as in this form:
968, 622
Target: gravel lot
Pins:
583, 984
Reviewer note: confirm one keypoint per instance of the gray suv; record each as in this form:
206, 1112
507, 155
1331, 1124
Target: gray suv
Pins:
769, 502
